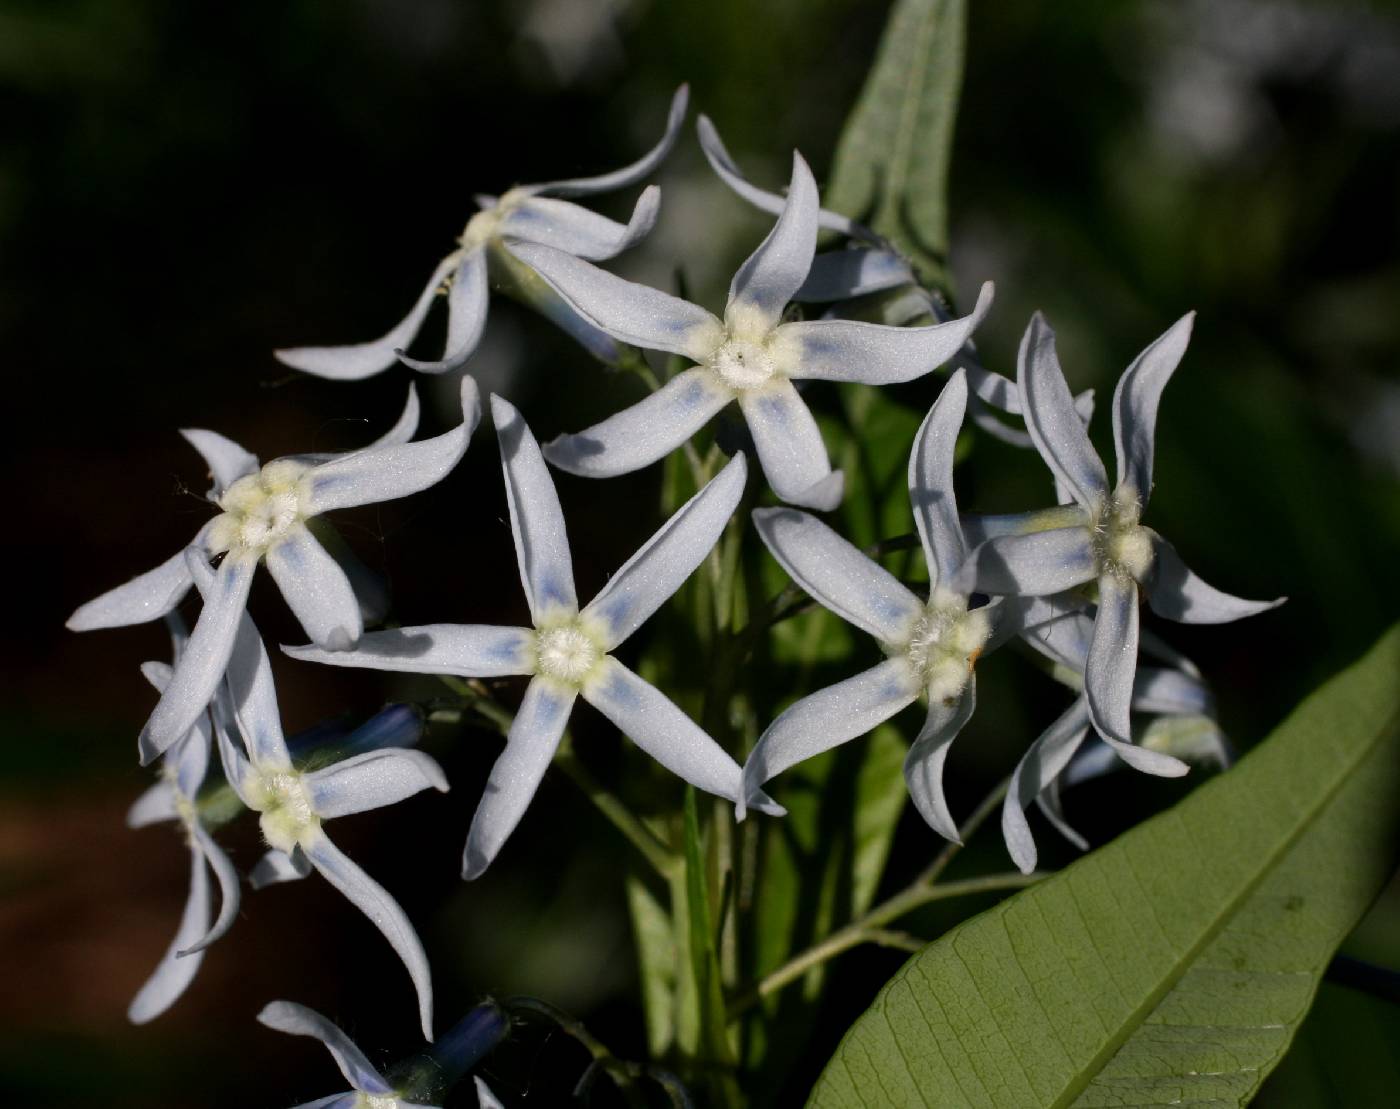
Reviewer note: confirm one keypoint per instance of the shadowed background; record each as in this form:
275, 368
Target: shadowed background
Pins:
183, 189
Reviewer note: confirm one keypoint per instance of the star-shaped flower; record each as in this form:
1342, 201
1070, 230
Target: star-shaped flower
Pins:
526, 213
430, 1076
174, 798
932, 645
567, 653
1098, 537
293, 805
1067, 640
750, 356
269, 513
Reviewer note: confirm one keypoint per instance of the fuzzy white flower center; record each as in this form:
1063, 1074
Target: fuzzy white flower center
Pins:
1122, 545
376, 1101
743, 363
945, 642
567, 652
282, 799
261, 509
484, 225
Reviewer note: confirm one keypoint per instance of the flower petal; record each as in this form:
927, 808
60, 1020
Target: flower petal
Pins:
384, 912
1030, 565
576, 230
229, 891
227, 461
371, 781
650, 429
1108, 677
485, 1099
844, 274
872, 353
764, 284
1053, 421
1039, 766
406, 426
173, 974
670, 556
316, 589
467, 650
790, 447
923, 765
155, 804
147, 596
828, 718
1170, 692
277, 866
467, 301
636, 314
206, 657
931, 482
385, 473
1135, 403
533, 739
298, 1020
536, 520
253, 699
1048, 801
652, 721
837, 575
370, 589
1175, 592
772, 203
630, 174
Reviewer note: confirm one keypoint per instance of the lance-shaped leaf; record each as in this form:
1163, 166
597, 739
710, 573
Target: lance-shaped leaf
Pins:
1173, 966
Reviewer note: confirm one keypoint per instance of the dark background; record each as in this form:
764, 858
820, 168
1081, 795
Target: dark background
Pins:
185, 187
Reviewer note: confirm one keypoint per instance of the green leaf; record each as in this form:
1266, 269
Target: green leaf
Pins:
891, 168
656, 963
699, 938
1172, 966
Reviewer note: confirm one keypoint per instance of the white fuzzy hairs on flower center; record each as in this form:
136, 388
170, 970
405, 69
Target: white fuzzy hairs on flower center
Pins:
1122, 545
567, 653
260, 509
944, 644
743, 363
282, 799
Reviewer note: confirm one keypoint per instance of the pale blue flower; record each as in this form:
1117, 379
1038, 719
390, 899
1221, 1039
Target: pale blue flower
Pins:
567, 653
527, 213
1097, 537
270, 514
750, 357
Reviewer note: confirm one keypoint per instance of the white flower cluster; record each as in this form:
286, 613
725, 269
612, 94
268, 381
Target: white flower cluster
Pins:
1066, 580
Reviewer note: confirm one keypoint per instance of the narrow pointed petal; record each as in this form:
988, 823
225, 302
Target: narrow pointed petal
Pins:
316, 589
406, 426
828, 718
371, 781
387, 473
771, 275
1108, 677
652, 721
837, 575
872, 353
191, 756
155, 804
931, 482
277, 866
370, 589
253, 698
636, 314
1175, 592
577, 231
1015, 615
229, 891
467, 301
173, 974
1065, 639
233, 760
923, 765
628, 175
1170, 692
1039, 766
1031, 565
298, 1020
227, 461
1048, 801
1135, 405
536, 520
485, 1099
533, 739
206, 657
978, 529
790, 447
670, 556
844, 274
467, 650
728, 171
651, 429
148, 596
384, 912
360, 360
1053, 421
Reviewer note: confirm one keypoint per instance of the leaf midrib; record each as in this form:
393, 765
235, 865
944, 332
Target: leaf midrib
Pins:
1137, 1018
